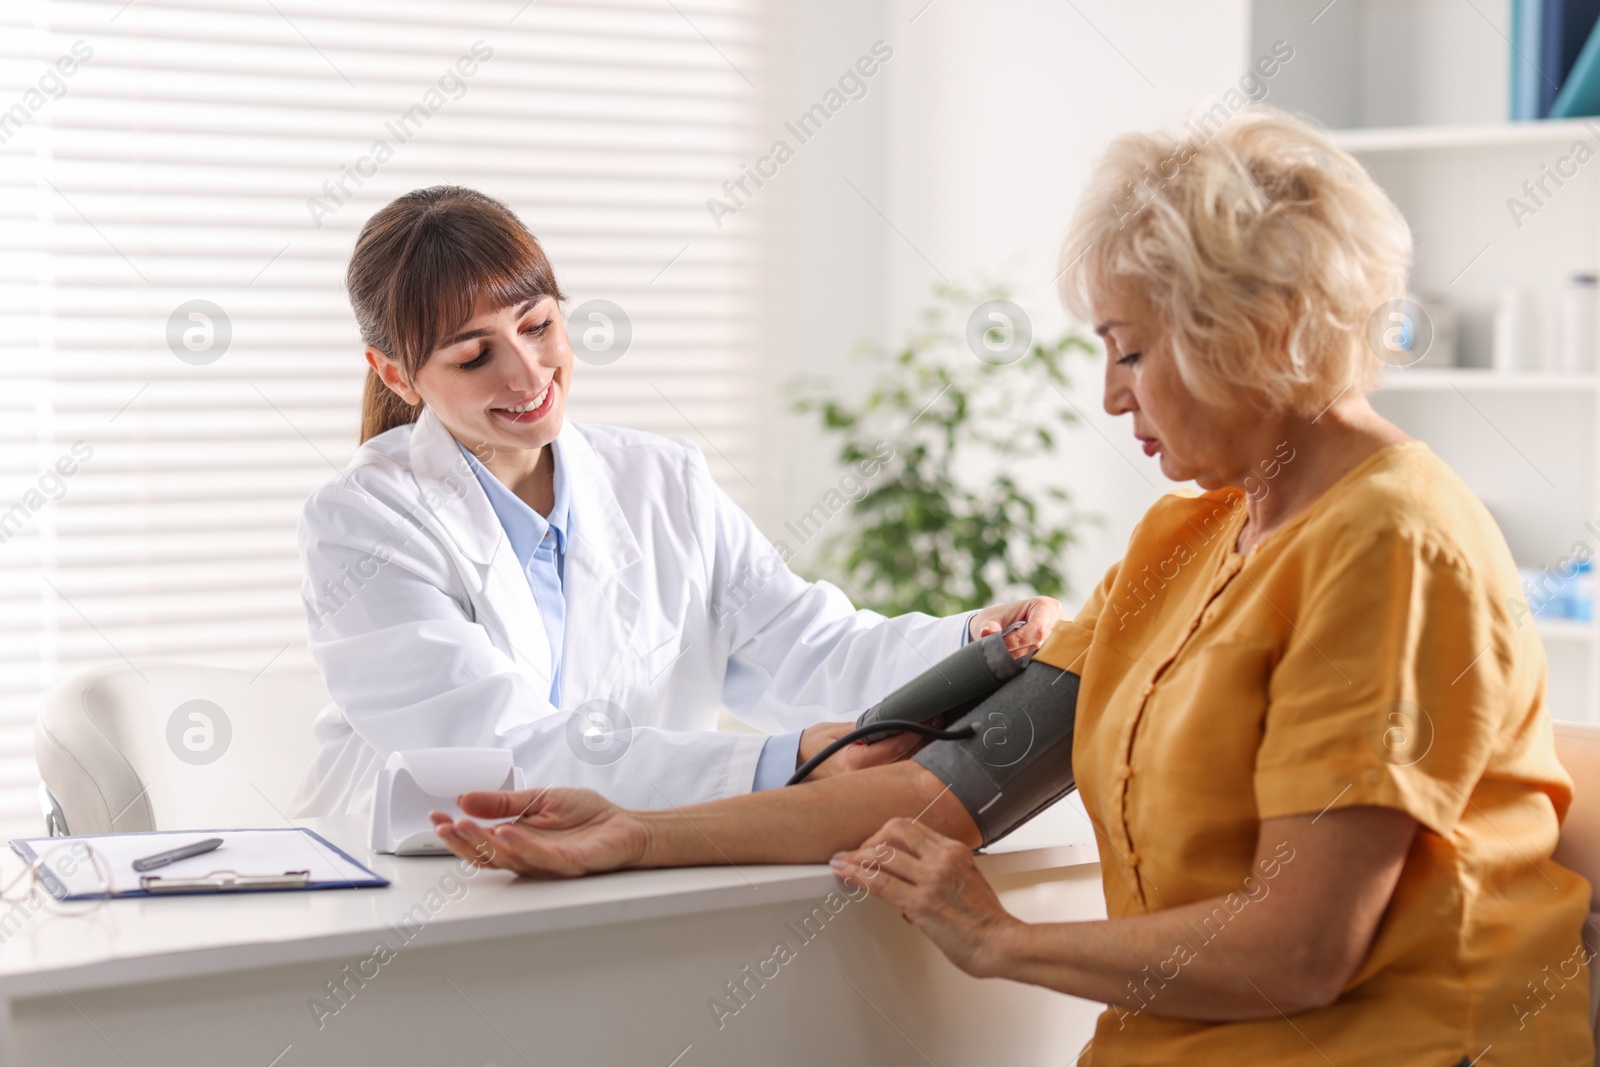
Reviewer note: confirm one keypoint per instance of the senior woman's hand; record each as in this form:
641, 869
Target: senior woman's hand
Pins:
935, 883
1299, 925
1038, 614
558, 833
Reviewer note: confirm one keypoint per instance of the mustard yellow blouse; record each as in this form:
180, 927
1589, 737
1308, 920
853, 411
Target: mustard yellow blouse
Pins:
1366, 652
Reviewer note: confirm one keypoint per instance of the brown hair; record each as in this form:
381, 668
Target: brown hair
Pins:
420, 267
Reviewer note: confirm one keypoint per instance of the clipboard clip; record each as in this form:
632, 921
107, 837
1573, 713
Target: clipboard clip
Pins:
225, 881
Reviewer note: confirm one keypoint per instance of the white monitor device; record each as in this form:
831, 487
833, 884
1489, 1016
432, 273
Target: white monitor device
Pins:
417, 781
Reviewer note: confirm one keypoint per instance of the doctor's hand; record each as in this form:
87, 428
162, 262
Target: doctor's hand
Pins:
853, 757
558, 833
1040, 614
935, 883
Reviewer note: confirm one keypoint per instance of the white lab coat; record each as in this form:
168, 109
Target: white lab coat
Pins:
427, 633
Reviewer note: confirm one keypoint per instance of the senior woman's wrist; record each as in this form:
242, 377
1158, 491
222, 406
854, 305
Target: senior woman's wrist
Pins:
1003, 945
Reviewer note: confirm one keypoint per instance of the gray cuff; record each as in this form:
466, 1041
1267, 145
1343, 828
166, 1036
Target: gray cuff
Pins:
1020, 760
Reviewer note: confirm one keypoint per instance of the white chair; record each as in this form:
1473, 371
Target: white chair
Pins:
166, 746
1578, 748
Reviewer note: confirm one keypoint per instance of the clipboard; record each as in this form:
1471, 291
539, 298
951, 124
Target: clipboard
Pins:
250, 861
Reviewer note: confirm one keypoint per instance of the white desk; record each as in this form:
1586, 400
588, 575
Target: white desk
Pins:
619, 969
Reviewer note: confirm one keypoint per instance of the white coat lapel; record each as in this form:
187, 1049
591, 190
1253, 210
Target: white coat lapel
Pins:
603, 604
506, 603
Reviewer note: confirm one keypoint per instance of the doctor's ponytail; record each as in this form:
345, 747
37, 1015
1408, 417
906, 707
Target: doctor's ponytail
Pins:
420, 267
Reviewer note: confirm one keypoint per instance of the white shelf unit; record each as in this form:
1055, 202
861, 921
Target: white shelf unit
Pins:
1566, 630
1556, 134
1417, 90
1475, 379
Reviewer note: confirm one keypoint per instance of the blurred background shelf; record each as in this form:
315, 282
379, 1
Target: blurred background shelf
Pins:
1567, 630
1481, 379
1548, 133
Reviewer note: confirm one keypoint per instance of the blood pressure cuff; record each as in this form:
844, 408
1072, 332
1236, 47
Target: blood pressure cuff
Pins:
952, 687
1019, 761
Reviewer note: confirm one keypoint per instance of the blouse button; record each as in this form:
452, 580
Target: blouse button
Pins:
1133, 859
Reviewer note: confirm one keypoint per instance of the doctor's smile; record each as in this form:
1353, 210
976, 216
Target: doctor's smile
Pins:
532, 410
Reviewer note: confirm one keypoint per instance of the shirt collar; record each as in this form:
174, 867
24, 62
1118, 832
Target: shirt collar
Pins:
525, 528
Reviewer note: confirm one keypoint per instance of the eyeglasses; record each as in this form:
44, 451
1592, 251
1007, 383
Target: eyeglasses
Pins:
39, 886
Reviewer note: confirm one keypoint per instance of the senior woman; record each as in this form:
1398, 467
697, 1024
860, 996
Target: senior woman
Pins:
1310, 734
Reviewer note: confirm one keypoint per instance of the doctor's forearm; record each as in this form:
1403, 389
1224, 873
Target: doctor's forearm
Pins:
805, 823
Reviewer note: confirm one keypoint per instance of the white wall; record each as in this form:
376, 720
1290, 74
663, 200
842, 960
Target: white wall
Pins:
832, 287
992, 115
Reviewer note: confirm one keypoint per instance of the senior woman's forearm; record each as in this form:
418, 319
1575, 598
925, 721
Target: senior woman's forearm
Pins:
1291, 946
1163, 964
803, 824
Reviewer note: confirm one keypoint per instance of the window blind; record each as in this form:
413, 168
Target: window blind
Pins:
181, 183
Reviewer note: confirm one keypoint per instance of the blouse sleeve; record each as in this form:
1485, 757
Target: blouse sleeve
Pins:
1391, 690
1069, 640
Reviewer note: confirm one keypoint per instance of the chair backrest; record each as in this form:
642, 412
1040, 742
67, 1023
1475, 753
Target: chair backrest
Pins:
167, 746
1578, 748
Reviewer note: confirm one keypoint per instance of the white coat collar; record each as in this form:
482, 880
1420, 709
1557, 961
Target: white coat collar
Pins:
602, 605
440, 469
605, 537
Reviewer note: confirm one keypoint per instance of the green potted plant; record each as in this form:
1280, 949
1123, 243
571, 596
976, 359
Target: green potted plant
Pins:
944, 525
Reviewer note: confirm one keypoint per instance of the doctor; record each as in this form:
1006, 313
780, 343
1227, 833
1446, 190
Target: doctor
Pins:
487, 574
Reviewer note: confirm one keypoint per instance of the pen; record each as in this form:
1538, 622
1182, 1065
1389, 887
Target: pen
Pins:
161, 859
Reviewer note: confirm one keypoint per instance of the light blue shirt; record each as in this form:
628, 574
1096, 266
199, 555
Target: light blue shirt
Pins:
779, 758
540, 545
